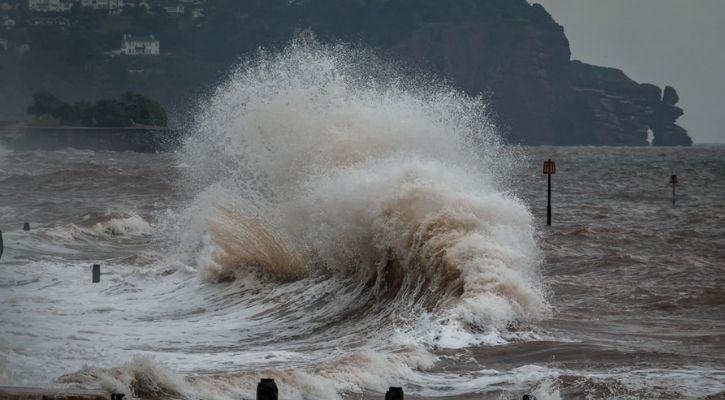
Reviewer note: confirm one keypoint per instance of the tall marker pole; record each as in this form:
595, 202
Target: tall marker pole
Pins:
549, 169
548, 202
673, 181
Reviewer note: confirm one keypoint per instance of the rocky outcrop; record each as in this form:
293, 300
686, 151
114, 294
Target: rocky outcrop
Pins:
539, 95
666, 132
608, 108
605, 107
669, 96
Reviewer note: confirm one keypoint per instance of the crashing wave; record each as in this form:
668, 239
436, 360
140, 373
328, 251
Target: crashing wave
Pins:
321, 161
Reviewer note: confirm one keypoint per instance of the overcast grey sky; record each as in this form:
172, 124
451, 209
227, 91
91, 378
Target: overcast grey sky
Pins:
666, 42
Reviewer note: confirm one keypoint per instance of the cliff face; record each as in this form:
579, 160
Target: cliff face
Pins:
511, 52
608, 108
541, 96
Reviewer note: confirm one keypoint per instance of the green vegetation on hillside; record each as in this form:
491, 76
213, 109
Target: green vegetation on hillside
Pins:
77, 60
128, 110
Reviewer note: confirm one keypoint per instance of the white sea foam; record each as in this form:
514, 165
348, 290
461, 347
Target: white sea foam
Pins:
345, 223
319, 165
110, 225
122, 225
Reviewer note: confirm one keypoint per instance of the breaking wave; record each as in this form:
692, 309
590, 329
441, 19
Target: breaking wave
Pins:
323, 161
345, 200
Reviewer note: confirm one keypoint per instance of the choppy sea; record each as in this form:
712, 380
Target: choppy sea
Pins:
343, 235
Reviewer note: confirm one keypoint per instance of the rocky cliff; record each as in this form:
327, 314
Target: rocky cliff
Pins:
523, 65
511, 52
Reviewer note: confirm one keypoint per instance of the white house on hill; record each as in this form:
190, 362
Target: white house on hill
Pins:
50, 5
139, 45
175, 10
111, 5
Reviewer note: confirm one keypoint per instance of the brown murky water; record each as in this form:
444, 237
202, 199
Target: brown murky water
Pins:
635, 289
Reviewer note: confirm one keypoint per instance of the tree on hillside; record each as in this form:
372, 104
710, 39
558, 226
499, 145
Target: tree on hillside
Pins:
144, 111
128, 110
111, 113
44, 103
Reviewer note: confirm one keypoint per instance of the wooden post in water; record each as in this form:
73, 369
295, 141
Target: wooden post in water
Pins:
549, 169
673, 181
26, 226
2, 247
394, 393
267, 389
96, 272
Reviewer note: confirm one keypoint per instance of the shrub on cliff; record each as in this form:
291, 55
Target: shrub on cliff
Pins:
143, 110
44, 103
111, 113
130, 109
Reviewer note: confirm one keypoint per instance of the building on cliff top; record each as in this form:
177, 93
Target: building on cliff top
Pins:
175, 10
110, 5
57, 21
50, 5
139, 45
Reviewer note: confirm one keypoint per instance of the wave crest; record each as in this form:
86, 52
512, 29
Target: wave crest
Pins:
242, 242
323, 162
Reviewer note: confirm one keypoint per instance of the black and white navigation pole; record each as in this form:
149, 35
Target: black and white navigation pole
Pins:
549, 169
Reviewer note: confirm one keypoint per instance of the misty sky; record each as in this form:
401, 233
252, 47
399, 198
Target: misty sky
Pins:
666, 42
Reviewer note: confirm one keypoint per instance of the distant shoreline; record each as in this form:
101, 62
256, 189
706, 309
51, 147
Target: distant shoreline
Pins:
138, 139
24, 136
96, 128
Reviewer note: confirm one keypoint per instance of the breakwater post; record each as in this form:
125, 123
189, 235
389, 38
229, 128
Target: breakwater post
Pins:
549, 169
267, 389
2, 247
394, 393
26, 226
96, 272
673, 181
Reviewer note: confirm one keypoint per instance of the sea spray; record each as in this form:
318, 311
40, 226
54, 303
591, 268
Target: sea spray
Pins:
346, 222
362, 174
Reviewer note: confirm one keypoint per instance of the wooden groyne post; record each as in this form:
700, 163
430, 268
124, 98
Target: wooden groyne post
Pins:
394, 393
96, 273
267, 389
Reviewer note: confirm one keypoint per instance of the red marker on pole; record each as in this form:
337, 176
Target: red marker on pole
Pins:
549, 169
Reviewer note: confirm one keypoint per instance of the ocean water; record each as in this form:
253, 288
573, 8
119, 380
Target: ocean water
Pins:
342, 229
